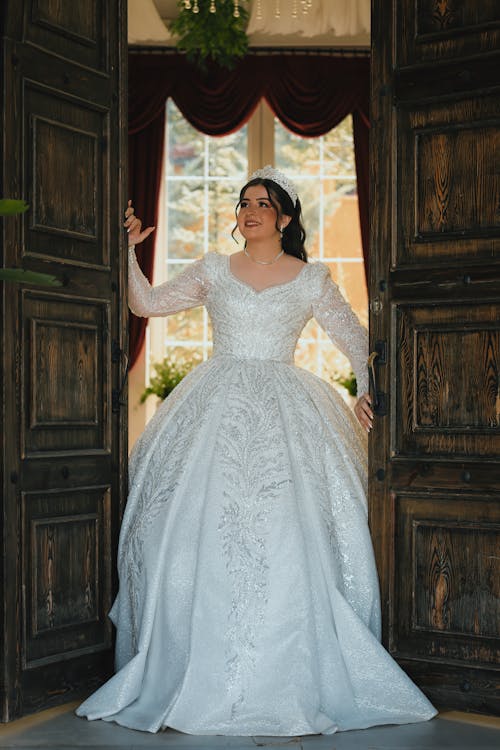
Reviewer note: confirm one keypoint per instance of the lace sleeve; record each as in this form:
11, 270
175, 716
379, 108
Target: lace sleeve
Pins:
338, 320
188, 289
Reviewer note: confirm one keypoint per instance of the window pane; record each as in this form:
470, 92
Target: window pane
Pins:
184, 146
184, 219
293, 154
338, 148
312, 215
222, 199
342, 233
228, 156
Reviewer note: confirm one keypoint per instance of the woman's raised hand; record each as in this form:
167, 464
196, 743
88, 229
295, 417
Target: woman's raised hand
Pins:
133, 226
363, 411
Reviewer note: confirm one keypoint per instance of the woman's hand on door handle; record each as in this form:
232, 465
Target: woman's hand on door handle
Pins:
363, 411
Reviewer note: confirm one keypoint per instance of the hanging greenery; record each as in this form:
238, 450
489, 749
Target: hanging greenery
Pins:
11, 207
214, 32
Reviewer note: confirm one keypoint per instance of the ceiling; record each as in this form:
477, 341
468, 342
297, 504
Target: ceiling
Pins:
328, 23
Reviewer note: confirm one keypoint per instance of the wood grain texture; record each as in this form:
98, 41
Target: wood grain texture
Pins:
67, 591
448, 380
381, 236
65, 556
66, 378
64, 451
457, 379
435, 292
457, 173
55, 345
447, 581
67, 178
441, 16
66, 167
457, 578
450, 209
80, 19
443, 29
77, 31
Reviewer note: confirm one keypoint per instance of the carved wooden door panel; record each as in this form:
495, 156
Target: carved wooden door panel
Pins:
435, 322
64, 444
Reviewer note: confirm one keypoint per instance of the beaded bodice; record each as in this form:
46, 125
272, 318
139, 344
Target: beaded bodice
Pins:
251, 324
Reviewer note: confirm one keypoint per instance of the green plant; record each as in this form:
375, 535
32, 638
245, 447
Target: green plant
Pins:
11, 207
168, 375
349, 383
207, 35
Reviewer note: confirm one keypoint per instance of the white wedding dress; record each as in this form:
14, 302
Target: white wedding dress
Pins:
248, 600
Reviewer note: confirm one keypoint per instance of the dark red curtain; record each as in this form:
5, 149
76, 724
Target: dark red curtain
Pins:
309, 93
145, 152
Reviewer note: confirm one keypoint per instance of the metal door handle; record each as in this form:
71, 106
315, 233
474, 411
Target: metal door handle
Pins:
118, 355
377, 357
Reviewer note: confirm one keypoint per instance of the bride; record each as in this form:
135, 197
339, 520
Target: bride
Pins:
248, 600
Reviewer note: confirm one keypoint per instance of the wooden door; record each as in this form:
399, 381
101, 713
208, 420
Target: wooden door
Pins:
64, 444
435, 321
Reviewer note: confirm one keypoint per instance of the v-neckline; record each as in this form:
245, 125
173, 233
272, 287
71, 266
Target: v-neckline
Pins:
266, 288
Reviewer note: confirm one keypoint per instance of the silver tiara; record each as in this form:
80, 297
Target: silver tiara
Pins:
270, 173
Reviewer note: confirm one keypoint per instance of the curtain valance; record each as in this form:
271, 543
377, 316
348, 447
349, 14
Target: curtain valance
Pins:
309, 93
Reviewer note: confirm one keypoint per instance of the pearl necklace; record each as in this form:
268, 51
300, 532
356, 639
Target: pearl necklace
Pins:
263, 262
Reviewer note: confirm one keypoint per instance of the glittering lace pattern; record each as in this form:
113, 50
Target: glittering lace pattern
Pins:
159, 481
253, 480
248, 601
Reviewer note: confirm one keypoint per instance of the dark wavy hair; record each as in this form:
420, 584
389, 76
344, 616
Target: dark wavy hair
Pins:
294, 235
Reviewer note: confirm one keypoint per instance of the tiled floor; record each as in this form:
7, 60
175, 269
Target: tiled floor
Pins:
60, 729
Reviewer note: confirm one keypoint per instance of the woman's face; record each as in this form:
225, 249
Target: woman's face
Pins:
257, 215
